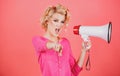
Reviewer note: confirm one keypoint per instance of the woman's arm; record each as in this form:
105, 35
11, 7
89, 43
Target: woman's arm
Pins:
85, 47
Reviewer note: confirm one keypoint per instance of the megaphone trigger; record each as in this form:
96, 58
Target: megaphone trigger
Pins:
85, 38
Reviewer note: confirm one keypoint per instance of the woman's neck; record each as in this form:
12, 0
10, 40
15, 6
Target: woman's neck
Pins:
51, 38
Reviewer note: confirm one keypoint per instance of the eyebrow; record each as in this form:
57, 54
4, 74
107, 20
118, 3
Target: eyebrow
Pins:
58, 19
55, 18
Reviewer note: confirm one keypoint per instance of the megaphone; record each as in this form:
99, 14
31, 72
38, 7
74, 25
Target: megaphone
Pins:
103, 31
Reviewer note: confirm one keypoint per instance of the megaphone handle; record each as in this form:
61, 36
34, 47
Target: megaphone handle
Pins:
88, 64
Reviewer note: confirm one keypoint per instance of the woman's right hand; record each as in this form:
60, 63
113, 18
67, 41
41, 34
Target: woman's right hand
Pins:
55, 46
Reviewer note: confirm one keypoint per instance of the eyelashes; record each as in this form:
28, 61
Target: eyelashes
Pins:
62, 21
55, 20
58, 21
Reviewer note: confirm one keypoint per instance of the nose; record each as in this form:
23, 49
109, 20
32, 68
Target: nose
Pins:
59, 24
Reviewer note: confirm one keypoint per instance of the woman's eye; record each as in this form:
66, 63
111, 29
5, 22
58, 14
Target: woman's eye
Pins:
55, 20
62, 22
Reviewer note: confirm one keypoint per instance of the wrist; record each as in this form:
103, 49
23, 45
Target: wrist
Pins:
84, 50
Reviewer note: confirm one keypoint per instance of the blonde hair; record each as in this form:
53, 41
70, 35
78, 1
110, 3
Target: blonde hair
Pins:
54, 9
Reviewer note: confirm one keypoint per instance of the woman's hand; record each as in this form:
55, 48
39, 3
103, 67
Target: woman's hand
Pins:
86, 45
55, 46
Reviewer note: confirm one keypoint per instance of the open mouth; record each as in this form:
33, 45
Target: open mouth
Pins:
57, 30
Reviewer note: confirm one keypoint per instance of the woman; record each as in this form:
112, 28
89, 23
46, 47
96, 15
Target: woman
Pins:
54, 52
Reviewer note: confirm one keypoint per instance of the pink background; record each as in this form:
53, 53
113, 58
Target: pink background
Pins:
19, 22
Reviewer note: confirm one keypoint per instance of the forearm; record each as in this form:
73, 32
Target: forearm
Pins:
82, 58
85, 47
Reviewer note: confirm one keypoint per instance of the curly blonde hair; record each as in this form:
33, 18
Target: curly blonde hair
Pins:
54, 9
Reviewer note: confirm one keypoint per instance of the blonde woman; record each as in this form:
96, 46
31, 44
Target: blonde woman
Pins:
54, 52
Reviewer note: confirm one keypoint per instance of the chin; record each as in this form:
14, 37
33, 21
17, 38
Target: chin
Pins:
56, 35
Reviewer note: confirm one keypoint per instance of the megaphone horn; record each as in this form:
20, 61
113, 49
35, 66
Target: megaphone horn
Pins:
103, 31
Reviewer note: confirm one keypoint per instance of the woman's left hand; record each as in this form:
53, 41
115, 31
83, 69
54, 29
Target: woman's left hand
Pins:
86, 45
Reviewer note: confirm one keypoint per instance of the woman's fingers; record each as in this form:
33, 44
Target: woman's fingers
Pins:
57, 47
86, 45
